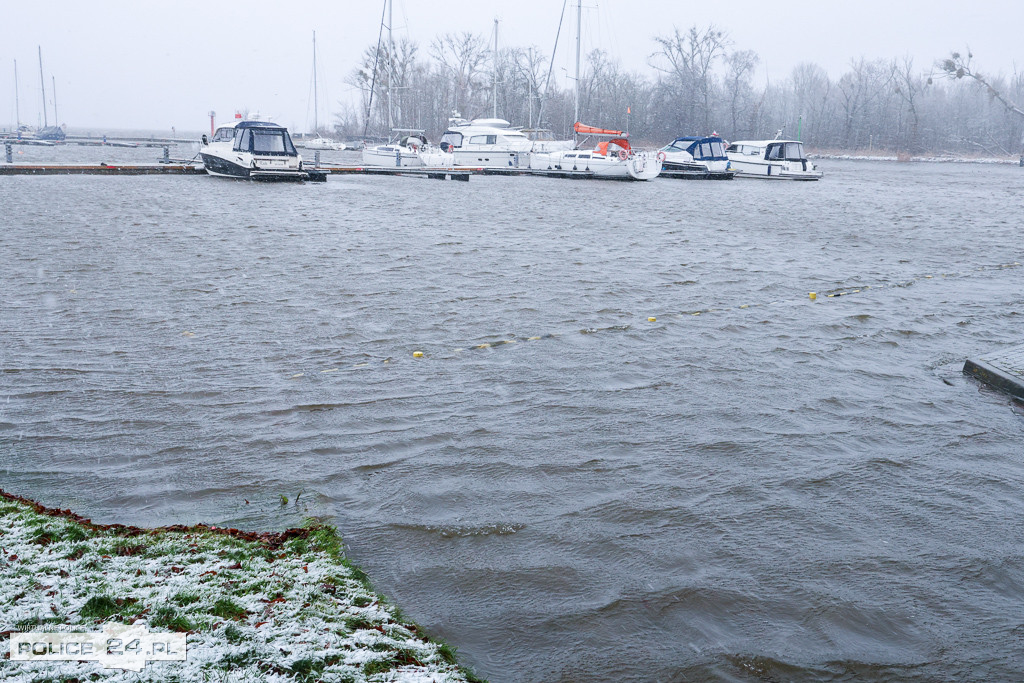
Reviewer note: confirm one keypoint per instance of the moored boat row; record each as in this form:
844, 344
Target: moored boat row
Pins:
261, 150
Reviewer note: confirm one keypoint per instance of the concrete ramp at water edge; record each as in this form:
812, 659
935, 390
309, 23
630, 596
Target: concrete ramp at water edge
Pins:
1002, 370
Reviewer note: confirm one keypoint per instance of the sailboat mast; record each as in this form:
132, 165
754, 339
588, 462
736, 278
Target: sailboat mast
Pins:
56, 118
42, 84
495, 79
17, 100
576, 94
316, 103
391, 63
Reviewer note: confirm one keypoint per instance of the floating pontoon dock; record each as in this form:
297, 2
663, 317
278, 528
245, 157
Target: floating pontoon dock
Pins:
1002, 370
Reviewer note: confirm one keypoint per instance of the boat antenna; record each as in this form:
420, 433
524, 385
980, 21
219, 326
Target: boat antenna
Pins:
391, 64
316, 103
17, 101
42, 83
373, 79
551, 64
495, 78
576, 98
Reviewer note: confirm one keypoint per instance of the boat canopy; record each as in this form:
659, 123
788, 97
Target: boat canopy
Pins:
622, 143
709, 148
592, 130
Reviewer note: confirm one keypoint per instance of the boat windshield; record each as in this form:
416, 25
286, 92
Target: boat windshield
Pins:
707, 149
452, 138
223, 135
271, 141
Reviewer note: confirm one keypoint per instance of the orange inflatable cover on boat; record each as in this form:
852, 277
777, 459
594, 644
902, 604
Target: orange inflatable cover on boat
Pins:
591, 130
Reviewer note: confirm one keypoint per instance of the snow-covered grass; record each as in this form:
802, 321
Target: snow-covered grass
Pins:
255, 607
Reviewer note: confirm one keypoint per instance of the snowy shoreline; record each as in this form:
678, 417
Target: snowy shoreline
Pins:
255, 606
919, 159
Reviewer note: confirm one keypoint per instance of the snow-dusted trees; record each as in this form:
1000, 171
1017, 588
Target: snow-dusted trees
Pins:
697, 84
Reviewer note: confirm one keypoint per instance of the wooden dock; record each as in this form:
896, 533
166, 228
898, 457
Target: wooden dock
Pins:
1002, 370
438, 173
101, 169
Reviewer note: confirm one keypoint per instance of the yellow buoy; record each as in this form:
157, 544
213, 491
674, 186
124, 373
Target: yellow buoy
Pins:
814, 295
652, 319
417, 354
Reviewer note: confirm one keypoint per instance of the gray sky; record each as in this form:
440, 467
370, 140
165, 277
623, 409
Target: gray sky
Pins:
156, 64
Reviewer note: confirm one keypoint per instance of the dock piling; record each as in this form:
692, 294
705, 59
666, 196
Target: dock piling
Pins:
9, 151
167, 154
316, 159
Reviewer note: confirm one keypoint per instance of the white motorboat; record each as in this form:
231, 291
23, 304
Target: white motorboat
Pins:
612, 159
486, 143
696, 157
257, 150
774, 159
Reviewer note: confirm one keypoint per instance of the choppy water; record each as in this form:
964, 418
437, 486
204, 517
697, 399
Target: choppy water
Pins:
792, 490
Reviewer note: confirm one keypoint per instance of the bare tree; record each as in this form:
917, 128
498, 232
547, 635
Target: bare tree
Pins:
738, 89
463, 57
689, 58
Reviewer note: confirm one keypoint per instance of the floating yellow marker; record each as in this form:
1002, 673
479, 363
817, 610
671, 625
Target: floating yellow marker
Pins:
813, 295
532, 338
417, 354
483, 346
652, 319
298, 374
748, 305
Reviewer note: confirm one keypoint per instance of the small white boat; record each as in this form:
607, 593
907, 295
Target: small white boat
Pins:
257, 150
696, 157
403, 152
322, 144
612, 159
486, 143
774, 159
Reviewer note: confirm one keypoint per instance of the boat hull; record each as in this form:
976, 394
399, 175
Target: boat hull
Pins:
635, 167
390, 156
224, 168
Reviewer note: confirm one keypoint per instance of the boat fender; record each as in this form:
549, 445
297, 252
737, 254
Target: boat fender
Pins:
622, 154
661, 157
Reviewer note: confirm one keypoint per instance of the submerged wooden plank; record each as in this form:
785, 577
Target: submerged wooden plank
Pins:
1002, 370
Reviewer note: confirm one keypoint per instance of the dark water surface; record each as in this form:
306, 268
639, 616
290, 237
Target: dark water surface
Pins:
775, 489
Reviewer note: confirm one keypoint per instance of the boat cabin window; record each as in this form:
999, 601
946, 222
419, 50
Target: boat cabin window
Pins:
584, 156
791, 151
673, 147
223, 135
452, 138
484, 140
717, 149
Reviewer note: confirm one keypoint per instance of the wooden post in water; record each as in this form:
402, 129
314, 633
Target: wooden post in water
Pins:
10, 158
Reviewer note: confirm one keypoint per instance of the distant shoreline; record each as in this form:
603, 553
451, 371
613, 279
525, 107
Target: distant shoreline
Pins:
940, 159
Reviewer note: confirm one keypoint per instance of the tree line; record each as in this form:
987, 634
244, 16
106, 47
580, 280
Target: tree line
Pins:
698, 83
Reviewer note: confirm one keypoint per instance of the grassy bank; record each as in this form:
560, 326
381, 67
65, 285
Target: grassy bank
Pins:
256, 607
